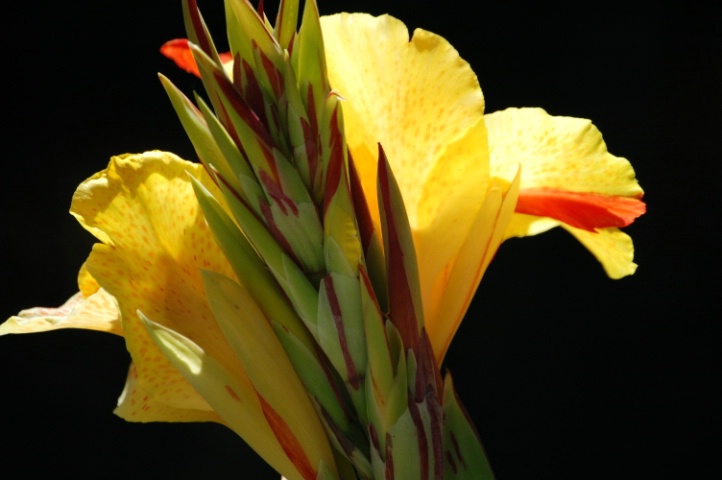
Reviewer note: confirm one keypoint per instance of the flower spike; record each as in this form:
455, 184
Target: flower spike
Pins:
404, 301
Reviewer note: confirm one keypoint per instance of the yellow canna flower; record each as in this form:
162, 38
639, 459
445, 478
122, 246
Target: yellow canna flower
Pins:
469, 180
145, 281
203, 349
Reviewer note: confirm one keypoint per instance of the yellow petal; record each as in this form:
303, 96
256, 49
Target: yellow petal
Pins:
455, 290
563, 153
423, 103
155, 241
136, 405
522, 225
97, 312
569, 179
612, 247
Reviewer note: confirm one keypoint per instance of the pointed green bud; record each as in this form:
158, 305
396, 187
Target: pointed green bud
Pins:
403, 275
464, 454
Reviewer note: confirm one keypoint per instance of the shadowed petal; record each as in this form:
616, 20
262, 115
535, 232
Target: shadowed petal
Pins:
92, 308
228, 390
97, 312
136, 405
448, 305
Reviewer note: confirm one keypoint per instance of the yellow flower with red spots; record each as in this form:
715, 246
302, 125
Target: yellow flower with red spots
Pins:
204, 350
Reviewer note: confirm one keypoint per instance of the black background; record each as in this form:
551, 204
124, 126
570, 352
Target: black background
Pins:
567, 374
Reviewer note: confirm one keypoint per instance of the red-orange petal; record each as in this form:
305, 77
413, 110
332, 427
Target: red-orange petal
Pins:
179, 51
587, 211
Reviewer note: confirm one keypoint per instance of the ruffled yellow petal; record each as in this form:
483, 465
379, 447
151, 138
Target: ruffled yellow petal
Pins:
612, 247
91, 309
562, 153
155, 241
569, 179
96, 312
423, 103
136, 405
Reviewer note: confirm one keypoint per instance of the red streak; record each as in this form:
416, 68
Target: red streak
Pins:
274, 75
335, 162
587, 211
233, 393
401, 305
353, 377
361, 207
277, 194
290, 444
252, 90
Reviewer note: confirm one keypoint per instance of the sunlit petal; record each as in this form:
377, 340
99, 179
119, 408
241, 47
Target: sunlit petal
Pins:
563, 153
569, 179
612, 247
155, 241
430, 125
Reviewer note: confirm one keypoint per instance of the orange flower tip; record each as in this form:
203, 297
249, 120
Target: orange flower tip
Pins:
179, 51
587, 211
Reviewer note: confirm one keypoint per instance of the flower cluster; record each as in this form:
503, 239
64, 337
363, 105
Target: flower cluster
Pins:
303, 283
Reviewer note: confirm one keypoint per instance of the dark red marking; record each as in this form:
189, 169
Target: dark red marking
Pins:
288, 441
311, 135
420, 437
401, 305
274, 75
241, 107
233, 393
389, 458
252, 92
353, 376
273, 228
277, 194
335, 172
457, 449
360, 205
